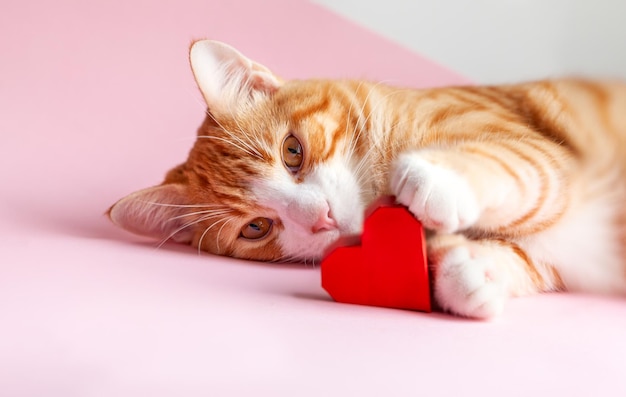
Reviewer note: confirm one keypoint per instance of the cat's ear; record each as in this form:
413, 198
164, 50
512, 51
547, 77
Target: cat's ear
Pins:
156, 212
228, 80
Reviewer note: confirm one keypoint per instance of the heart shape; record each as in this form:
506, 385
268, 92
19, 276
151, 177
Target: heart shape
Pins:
386, 266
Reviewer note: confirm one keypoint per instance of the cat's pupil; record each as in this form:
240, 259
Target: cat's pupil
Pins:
292, 153
256, 229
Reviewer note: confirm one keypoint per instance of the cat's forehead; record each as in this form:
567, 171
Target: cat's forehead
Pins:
300, 97
302, 105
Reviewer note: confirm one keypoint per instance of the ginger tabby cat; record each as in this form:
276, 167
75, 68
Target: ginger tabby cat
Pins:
523, 186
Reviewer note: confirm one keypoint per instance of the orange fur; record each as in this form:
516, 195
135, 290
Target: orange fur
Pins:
534, 154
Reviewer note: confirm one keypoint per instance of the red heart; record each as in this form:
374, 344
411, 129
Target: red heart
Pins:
386, 266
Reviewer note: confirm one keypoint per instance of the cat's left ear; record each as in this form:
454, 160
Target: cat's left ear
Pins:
228, 80
157, 212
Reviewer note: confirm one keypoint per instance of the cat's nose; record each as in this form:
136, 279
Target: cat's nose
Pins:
312, 214
324, 222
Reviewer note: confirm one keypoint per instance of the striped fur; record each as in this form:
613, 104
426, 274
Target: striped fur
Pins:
522, 185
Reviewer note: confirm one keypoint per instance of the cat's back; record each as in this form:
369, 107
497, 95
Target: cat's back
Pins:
585, 117
591, 115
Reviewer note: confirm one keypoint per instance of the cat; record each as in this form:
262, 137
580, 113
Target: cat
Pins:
522, 186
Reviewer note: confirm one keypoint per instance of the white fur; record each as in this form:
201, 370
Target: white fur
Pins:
298, 205
470, 286
439, 197
583, 247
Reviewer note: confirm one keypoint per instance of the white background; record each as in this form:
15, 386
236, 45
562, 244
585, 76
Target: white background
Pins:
497, 41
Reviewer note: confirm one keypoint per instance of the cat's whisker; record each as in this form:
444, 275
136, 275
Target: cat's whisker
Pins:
219, 233
362, 164
314, 262
351, 144
252, 151
219, 138
183, 227
206, 212
363, 161
197, 99
258, 141
380, 102
363, 122
209, 214
375, 144
287, 258
280, 258
365, 178
226, 130
183, 205
309, 262
361, 125
372, 111
208, 229
250, 143
233, 136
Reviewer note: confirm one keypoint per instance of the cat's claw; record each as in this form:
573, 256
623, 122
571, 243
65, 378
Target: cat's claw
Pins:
439, 197
469, 287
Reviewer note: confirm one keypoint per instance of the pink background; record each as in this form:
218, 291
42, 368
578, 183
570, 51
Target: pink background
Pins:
97, 100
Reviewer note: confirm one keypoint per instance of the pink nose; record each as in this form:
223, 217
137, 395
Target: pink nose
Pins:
312, 214
324, 222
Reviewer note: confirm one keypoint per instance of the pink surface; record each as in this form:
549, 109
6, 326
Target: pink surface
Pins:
96, 100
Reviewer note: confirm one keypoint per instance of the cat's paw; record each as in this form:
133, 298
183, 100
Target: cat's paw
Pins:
469, 286
439, 197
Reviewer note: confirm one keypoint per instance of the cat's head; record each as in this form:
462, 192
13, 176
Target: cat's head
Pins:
271, 175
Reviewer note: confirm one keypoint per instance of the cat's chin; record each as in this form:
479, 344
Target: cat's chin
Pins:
328, 238
334, 235
354, 228
309, 248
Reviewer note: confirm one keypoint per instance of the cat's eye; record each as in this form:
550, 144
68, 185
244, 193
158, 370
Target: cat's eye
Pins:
256, 229
292, 153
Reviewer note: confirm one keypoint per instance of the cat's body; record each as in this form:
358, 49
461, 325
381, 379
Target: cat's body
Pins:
524, 185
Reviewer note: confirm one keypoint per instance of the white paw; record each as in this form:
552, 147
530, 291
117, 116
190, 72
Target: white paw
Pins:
470, 287
439, 197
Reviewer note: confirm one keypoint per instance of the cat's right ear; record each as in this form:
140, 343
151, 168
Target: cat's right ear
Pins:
227, 79
157, 212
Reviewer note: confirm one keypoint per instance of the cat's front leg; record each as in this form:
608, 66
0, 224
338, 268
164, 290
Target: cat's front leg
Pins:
475, 278
499, 187
440, 197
